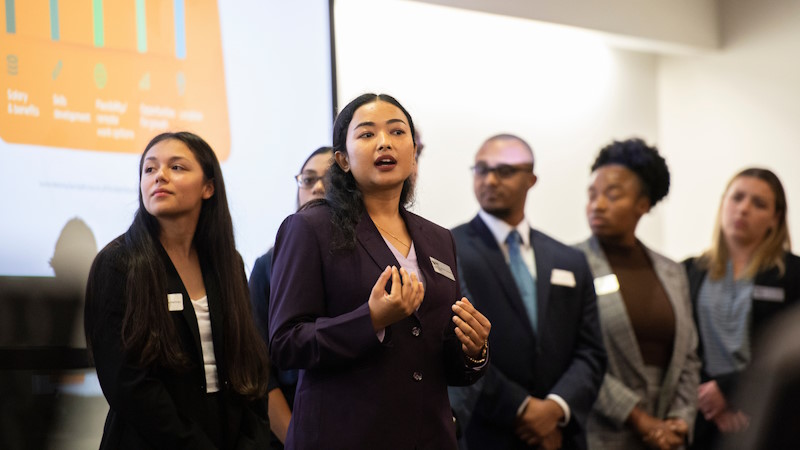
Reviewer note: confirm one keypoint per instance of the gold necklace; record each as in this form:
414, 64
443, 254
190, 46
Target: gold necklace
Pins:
408, 246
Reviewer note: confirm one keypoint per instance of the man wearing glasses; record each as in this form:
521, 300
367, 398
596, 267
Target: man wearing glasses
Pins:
548, 358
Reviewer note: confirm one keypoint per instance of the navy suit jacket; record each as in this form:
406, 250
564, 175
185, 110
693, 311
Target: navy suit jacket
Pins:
155, 407
355, 391
565, 357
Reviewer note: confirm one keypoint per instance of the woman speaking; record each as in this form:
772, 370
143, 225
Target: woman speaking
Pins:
365, 299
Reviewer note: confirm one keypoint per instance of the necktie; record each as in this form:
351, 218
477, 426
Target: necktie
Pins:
525, 282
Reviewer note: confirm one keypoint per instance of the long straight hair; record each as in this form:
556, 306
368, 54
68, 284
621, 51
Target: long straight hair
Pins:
147, 329
771, 250
341, 191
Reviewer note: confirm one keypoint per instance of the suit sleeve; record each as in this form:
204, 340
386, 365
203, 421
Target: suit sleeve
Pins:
302, 335
579, 384
684, 405
138, 397
259, 299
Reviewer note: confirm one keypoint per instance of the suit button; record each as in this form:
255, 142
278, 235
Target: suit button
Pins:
416, 331
417, 376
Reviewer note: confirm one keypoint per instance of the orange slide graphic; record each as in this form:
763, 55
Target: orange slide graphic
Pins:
108, 75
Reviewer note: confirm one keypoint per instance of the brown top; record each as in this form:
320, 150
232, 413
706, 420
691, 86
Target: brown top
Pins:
649, 309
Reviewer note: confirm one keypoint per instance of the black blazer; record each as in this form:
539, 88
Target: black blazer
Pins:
565, 357
355, 391
154, 407
285, 380
763, 310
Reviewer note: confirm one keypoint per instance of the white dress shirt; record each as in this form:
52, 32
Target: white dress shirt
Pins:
500, 230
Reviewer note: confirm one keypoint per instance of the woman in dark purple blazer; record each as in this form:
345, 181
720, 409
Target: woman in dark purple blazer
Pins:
365, 299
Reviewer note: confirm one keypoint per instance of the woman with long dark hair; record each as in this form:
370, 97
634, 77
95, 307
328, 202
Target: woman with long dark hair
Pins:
746, 278
365, 299
167, 315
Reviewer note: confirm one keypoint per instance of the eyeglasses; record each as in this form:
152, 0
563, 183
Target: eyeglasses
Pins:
501, 170
306, 180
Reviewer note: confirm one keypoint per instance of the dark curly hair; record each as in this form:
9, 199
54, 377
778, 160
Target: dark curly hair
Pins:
641, 159
341, 192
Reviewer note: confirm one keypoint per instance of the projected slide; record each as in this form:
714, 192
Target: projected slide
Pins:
107, 75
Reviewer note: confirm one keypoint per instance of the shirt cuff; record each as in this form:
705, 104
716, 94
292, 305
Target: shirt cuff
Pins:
564, 407
521, 408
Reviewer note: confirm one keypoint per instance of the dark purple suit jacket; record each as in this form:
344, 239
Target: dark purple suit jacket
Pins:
355, 391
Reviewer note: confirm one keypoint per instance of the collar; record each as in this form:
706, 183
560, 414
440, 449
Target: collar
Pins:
500, 229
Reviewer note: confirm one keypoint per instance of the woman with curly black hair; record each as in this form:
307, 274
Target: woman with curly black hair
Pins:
647, 399
168, 317
365, 299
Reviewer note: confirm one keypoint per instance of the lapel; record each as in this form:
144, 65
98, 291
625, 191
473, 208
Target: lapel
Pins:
372, 242
175, 285
484, 244
545, 263
613, 313
425, 247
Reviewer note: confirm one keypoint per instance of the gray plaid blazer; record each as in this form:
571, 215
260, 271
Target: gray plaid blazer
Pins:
624, 385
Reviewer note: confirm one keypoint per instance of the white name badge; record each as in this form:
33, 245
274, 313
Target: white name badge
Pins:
561, 277
175, 302
442, 268
606, 284
769, 293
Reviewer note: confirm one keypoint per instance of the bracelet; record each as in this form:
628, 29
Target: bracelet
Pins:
482, 359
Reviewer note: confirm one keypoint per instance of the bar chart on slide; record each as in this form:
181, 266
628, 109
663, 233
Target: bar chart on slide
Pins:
108, 75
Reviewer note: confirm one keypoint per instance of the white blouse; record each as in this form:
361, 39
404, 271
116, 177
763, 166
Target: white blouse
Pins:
206, 343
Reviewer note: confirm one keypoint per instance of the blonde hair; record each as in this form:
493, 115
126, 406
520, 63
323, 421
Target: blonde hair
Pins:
770, 252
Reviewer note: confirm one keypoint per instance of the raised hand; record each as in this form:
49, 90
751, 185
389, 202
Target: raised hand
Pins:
403, 299
472, 328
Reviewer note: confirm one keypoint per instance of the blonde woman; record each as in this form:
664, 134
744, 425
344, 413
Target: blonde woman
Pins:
743, 280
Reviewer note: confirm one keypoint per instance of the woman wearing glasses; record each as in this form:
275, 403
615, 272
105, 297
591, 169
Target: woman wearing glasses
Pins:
282, 383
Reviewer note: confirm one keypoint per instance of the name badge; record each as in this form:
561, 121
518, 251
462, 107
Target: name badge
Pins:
606, 284
769, 293
175, 302
561, 277
442, 268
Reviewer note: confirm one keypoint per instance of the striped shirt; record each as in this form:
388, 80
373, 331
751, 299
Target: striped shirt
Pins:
724, 315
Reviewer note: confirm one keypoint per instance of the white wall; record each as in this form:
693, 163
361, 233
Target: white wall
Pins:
465, 76
728, 110
677, 25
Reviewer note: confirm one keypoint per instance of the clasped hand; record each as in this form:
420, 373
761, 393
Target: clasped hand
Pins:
712, 403
668, 434
538, 424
